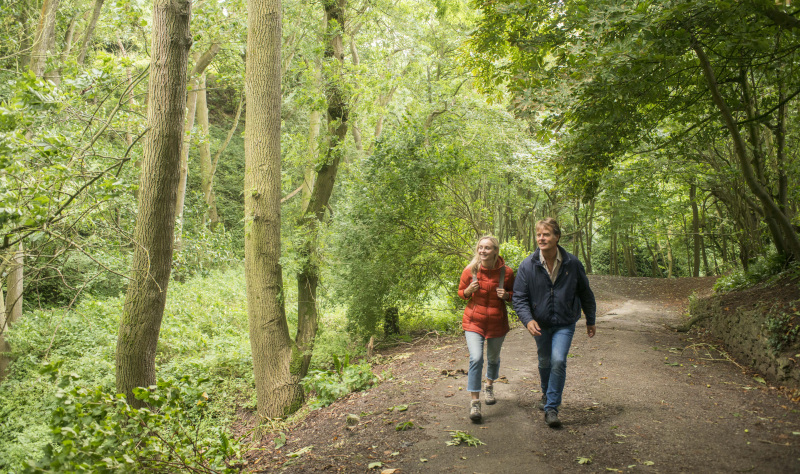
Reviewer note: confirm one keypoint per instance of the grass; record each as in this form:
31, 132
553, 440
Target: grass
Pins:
204, 334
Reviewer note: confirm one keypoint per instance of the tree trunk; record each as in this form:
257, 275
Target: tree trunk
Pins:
44, 40
221, 150
695, 230
14, 286
12, 306
589, 235
155, 221
68, 38
278, 392
87, 37
670, 258
391, 321
314, 212
206, 166
200, 65
4, 346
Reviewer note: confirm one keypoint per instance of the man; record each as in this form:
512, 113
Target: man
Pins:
550, 290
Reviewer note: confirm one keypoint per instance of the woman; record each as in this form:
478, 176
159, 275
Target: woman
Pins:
486, 284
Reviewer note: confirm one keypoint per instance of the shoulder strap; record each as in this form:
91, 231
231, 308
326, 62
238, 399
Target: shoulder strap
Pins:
502, 276
475, 274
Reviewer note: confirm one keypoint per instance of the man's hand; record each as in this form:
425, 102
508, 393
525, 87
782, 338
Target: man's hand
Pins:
533, 328
590, 330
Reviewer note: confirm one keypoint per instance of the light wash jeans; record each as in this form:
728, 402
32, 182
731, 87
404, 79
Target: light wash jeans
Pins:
475, 346
552, 347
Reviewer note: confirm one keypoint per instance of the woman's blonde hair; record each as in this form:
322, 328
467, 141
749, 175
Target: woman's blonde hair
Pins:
476, 259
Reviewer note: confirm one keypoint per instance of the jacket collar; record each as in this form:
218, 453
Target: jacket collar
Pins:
500, 263
565, 256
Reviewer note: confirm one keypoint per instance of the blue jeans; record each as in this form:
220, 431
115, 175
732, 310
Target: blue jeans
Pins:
475, 346
552, 347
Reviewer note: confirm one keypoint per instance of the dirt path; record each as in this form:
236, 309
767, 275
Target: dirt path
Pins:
639, 398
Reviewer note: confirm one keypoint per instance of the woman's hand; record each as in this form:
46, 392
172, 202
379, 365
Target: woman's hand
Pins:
472, 288
501, 293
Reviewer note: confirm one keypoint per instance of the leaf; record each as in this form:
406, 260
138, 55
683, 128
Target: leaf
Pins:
375, 464
403, 426
648, 463
582, 460
300, 452
280, 440
389, 471
760, 380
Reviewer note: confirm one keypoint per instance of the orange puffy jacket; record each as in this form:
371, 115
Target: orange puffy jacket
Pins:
486, 313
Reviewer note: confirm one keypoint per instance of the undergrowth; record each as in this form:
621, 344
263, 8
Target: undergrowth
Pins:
759, 271
203, 337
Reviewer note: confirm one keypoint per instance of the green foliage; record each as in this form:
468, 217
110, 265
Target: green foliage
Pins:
782, 330
513, 253
757, 272
204, 334
203, 251
331, 385
97, 431
463, 437
384, 244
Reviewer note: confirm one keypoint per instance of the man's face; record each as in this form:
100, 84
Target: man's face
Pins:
546, 239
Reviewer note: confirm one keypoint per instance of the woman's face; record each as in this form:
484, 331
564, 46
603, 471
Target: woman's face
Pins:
487, 251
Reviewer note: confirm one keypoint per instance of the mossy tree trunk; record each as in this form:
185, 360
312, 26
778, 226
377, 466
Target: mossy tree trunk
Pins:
211, 216
155, 222
44, 39
278, 391
12, 306
322, 188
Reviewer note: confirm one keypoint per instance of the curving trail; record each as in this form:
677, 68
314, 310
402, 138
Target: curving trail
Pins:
639, 398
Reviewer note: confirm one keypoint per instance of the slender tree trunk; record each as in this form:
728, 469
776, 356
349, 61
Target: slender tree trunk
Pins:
670, 258
695, 230
4, 346
44, 40
314, 213
68, 38
12, 306
277, 390
614, 263
589, 235
155, 222
206, 166
14, 286
200, 65
87, 37
221, 150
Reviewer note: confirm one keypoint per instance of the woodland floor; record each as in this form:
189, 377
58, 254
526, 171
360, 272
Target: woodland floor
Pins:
639, 398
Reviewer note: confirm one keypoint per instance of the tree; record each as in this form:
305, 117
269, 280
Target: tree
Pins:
155, 221
277, 388
696, 66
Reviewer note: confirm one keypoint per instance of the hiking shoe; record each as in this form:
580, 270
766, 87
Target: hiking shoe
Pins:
551, 418
542, 402
475, 411
488, 395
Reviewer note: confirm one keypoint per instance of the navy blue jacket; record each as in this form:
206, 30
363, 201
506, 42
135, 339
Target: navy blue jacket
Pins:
553, 304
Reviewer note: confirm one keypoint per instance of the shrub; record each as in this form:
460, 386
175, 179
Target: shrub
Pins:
331, 385
759, 271
96, 431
